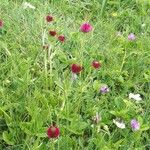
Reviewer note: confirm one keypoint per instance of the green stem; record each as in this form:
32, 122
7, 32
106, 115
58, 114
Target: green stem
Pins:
103, 7
123, 61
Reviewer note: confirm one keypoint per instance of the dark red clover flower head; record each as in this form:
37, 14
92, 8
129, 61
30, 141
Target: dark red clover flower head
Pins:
1, 23
61, 38
96, 64
49, 18
75, 68
53, 132
52, 33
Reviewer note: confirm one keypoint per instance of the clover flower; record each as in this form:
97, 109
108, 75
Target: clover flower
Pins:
49, 18
85, 27
104, 89
96, 64
75, 68
52, 33
61, 38
131, 37
135, 125
53, 132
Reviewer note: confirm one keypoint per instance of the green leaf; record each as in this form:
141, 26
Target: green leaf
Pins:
7, 137
145, 127
25, 126
122, 113
77, 127
121, 79
96, 85
143, 2
8, 119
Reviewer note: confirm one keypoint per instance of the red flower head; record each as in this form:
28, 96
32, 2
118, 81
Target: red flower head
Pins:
61, 38
53, 132
96, 64
76, 68
52, 33
85, 27
1, 23
49, 18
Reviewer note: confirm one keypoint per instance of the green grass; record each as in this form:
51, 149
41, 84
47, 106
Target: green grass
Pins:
36, 87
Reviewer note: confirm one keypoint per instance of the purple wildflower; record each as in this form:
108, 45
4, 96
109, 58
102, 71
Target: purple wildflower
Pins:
135, 125
131, 37
104, 89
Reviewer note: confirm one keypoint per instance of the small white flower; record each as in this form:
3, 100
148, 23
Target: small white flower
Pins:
92, 125
136, 97
74, 76
28, 5
7, 81
119, 124
143, 25
106, 127
118, 33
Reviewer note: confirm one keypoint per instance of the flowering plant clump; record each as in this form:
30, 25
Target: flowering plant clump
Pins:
91, 78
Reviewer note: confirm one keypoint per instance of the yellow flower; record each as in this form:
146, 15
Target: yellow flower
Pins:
114, 14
